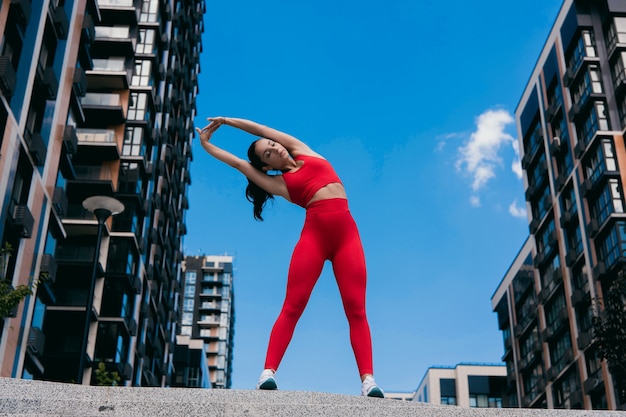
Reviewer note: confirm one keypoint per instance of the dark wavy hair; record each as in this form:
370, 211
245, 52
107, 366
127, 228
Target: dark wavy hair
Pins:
255, 194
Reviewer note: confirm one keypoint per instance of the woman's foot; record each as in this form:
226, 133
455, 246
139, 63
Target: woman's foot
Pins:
266, 380
370, 389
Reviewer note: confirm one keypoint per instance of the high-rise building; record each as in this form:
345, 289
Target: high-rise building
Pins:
465, 385
190, 362
208, 312
97, 98
571, 121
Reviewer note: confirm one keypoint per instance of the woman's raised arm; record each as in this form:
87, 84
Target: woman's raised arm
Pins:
294, 145
269, 183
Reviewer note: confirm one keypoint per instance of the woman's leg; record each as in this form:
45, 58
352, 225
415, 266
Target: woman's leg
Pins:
305, 268
351, 275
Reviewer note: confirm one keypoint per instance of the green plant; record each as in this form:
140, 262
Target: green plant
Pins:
105, 378
610, 332
11, 297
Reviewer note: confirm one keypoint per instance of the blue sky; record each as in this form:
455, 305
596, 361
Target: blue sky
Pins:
413, 103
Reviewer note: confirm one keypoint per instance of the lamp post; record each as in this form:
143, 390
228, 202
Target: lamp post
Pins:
102, 207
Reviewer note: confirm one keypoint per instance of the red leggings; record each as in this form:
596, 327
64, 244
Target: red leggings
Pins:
329, 233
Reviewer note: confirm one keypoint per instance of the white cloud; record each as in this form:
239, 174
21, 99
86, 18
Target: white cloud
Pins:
479, 157
516, 165
517, 211
475, 201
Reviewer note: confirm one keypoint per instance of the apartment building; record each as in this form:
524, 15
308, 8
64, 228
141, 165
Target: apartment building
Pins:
208, 312
465, 385
97, 99
190, 362
571, 121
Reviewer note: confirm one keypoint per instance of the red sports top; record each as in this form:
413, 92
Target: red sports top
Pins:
314, 174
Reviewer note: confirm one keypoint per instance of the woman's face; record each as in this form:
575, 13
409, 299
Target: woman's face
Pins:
272, 153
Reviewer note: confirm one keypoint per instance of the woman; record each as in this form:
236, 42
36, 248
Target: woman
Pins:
329, 233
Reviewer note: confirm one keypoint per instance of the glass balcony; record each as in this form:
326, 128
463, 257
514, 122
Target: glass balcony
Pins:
96, 146
103, 109
115, 40
110, 74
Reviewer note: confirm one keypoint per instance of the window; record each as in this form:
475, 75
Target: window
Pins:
534, 140
601, 161
529, 345
546, 239
190, 277
543, 204
133, 141
146, 41
574, 239
187, 319
595, 121
554, 311
609, 201
149, 11
447, 388
448, 400
616, 33
585, 47
590, 83
611, 248
621, 106
584, 318
142, 75
188, 304
537, 174
190, 291
138, 107
618, 69
194, 377
485, 401
563, 389
568, 202
532, 381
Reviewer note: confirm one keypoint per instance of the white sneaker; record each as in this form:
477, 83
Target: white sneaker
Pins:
266, 380
370, 389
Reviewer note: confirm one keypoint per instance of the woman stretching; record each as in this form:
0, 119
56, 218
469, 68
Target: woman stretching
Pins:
329, 233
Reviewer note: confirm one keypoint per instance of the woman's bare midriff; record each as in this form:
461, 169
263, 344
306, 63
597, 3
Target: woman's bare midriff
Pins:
332, 190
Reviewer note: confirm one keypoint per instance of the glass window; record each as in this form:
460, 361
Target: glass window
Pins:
187, 319
190, 291
142, 76
133, 141
188, 304
190, 277
616, 33
601, 161
138, 106
613, 246
585, 47
149, 11
146, 42
609, 201
448, 400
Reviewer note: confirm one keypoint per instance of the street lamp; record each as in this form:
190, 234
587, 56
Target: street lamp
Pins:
102, 207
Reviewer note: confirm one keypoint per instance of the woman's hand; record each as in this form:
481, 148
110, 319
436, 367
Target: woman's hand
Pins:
206, 132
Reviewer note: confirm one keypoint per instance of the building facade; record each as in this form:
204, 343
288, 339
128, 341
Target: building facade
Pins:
571, 121
208, 312
97, 98
190, 362
464, 385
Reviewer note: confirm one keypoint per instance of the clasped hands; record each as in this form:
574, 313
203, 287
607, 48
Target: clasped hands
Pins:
207, 131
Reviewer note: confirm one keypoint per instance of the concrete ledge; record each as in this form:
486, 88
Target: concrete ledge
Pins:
39, 398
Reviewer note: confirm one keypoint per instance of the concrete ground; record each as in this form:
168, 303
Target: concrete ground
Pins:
39, 398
